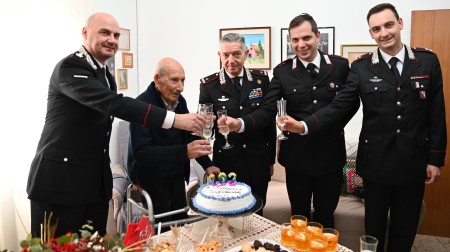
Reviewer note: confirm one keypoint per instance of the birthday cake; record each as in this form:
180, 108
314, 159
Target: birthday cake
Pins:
224, 196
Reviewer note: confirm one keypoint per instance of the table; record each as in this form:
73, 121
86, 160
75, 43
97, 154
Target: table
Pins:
247, 229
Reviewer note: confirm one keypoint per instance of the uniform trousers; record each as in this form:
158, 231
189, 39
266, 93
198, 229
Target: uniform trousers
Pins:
403, 203
70, 217
324, 190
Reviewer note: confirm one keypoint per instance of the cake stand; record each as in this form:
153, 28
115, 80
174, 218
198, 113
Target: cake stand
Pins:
223, 229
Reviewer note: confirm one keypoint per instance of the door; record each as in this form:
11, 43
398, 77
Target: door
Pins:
429, 29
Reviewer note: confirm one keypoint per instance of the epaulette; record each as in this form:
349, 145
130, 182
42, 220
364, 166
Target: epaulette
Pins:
284, 62
420, 49
258, 72
336, 57
364, 56
209, 78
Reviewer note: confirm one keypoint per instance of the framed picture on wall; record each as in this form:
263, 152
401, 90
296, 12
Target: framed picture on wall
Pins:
122, 78
286, 47
111, 65
127, 60
257, 40
353, 51
326, 43
124, 39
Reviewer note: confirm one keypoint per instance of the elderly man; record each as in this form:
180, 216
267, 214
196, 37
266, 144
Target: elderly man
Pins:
70, 175
159, 159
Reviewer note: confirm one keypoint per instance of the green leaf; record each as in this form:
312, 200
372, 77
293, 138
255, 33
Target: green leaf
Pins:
35, 241
85, 234
24, 244
36, 248
64, 239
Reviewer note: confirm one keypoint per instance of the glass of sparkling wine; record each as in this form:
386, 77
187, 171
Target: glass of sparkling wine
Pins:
223, 127
281, 117
207, 129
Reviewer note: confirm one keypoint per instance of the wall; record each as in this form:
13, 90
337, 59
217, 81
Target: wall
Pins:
37, 34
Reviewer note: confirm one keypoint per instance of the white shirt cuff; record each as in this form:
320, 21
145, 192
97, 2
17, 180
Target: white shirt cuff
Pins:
242, 126
169, 120
306, 128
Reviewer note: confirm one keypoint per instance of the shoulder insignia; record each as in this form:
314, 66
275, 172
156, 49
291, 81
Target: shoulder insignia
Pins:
83, 54
420, 49
209, 79
285, 62
258, 72
362, 57
336, 57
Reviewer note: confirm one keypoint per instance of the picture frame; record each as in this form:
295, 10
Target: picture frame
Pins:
127, 60
124, 39
122, 79
353, 51
326, 43
258, 42
286, 47
110, 63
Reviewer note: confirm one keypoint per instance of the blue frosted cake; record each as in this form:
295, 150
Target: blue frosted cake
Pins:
224, 197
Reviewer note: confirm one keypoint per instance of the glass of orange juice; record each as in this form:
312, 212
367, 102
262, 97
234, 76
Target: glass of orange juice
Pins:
287, 235
332, 237
298, 222
302, 241
314, 228
318, 243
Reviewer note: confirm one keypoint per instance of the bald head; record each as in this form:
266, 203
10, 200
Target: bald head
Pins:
169, 79
101, 36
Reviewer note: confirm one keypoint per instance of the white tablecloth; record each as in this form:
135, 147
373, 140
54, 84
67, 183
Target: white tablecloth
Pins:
247, 229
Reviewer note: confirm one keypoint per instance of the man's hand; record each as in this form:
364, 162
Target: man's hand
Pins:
233, 123
211, 170
190, 122
433, 173
198, 148
293, 125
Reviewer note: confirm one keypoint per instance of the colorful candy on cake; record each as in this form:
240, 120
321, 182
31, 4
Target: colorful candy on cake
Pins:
224, 195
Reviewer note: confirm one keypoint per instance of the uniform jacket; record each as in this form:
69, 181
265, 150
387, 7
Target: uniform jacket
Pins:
71, 165
404, 126
154, 154
254, 151
321, 154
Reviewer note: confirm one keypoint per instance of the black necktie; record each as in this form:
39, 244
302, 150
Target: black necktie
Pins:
311, 69
237, 82
393, 61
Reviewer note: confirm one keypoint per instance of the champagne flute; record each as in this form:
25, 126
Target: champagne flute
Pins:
281, 109
210, 110
201, 111
207, 129
223, 128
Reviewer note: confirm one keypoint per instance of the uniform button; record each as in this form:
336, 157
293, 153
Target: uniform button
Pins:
365, 141
240, 107
376, 88
398, 89
398, 131
244, 146
257, 104
220, 151
295, 90
399, 117
66, 159
104, 150
421, 86
314, 88
111, 118
223, 107
315, 101
107, 133
399, 103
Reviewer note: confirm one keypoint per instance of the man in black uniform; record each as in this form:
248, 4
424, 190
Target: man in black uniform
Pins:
308, 82
403, 138
240, 91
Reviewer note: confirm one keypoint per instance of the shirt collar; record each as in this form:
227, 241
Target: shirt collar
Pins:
239, 75
316, 61
400, 55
